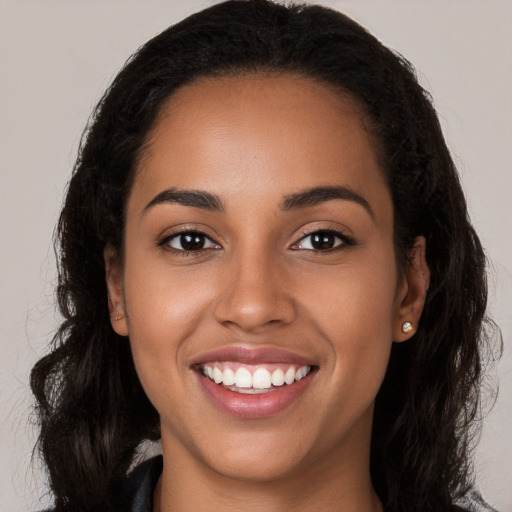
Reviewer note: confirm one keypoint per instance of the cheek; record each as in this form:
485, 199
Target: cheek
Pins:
356, 299
163, 310
355, 311
160, 302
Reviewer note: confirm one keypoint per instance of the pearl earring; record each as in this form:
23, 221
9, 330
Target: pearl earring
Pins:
117, 315
406, 327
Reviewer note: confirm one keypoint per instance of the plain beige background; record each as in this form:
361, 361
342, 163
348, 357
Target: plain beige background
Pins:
56, 58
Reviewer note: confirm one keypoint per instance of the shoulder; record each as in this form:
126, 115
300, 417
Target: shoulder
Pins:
135, 493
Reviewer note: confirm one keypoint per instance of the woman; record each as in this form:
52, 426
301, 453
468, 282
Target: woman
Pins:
266, 261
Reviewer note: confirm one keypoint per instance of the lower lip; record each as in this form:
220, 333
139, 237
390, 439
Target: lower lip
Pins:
258, 405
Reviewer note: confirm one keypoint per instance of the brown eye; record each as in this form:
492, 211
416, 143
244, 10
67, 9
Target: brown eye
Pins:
191, 241
323, 240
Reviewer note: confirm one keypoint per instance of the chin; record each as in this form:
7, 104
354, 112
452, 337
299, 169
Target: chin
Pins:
257, 458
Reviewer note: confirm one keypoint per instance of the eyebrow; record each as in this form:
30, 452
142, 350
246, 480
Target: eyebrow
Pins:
193, 198
305, 198
318, 195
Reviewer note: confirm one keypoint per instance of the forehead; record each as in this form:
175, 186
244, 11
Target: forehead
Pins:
268, 132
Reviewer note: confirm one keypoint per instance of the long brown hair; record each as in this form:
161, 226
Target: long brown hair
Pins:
91, 406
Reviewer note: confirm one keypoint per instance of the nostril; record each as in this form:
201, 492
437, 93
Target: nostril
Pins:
252, 311
252, 293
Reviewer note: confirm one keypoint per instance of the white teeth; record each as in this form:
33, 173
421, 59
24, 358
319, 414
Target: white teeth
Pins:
278, 377
243, 378
301, 372
259, 381
228, 378
289, 376
248, 391
217, 375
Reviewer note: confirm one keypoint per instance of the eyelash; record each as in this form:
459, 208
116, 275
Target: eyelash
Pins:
342, 236
165, 242
346, 240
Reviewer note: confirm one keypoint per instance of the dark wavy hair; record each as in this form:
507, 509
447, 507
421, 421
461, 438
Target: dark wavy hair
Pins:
91, 407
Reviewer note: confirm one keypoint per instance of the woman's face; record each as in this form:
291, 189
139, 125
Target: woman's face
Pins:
259, 250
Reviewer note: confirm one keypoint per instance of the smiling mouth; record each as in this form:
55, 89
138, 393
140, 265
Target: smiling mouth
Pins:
253, 383
253, 379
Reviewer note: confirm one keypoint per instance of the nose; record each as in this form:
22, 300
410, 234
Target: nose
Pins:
255, 294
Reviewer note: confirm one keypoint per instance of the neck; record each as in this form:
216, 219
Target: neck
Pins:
337, 481
266, 498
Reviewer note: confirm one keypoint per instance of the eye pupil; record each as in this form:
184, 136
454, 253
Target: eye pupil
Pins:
192, 241
323, 241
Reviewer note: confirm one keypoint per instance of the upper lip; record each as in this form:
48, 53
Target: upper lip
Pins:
246, 355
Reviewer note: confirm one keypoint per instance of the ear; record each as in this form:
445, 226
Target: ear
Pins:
114, 280
412, 292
